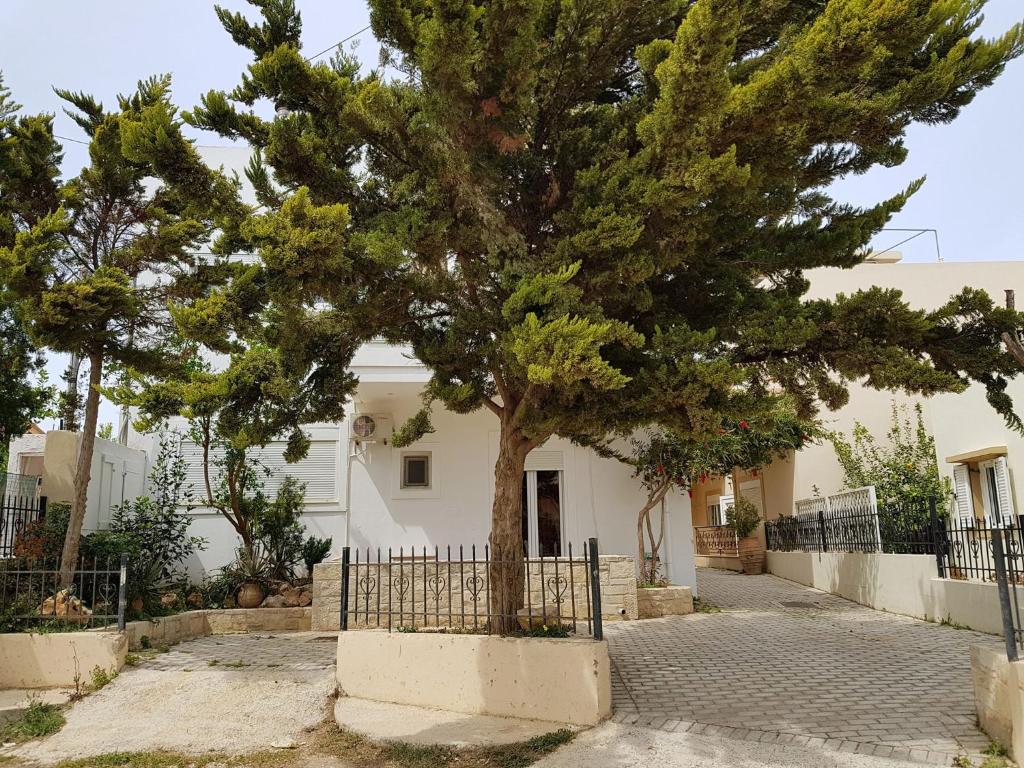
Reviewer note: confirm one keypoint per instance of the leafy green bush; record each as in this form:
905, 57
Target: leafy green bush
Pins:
152, 531
742, 517
280, 531
314, 551
903, 470
39, 720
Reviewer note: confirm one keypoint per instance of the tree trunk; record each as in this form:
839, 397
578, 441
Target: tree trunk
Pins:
69, 407
507, 573
83, 473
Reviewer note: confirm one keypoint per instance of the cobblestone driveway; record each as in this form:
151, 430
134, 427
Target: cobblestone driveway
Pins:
783, 663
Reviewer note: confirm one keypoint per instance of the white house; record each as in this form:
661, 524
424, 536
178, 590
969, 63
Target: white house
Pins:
363, 492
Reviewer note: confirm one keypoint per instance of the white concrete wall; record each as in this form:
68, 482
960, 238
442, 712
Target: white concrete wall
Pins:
53, 660
118, 472
999, 697
904, 584
557, 680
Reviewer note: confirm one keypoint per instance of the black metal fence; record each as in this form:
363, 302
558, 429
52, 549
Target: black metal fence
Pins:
20, 505
449, 589
31, 595
968, 549
906, 528
963, 549
1007, 546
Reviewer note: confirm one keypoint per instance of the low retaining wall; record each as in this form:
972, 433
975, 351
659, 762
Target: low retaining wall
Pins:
617, 576
904, 584
557, 680
656, 602
53, 660
723, 562
193, 624
999, 697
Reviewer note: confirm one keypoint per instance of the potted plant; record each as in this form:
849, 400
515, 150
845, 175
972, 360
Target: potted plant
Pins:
744, 518
251, 572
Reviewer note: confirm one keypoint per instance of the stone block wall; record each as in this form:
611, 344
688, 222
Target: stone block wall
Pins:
192, 624
428, 593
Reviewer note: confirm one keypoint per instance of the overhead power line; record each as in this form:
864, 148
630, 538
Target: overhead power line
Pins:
338, 44
223, 146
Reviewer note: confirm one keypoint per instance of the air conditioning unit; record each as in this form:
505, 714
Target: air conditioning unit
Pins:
372, 428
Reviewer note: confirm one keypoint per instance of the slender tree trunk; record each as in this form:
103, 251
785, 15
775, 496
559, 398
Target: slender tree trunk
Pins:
69, 410
507, 573
83, 472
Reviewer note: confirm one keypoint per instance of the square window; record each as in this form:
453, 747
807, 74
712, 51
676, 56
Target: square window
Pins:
416, 470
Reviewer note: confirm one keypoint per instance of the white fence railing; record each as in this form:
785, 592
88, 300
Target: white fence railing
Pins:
848, 516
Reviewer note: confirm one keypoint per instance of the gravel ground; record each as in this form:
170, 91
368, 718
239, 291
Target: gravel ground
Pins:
214, 694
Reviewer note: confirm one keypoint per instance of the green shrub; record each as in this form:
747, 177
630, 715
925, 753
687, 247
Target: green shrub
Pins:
153, 531
743, 517
903, 469
39, 720
314, 551
101, 677
280, 531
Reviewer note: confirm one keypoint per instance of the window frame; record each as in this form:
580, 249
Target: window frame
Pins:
403, 481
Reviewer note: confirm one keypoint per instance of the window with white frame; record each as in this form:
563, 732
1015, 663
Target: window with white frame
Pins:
717, 508
996, 494
415, 470
995, 491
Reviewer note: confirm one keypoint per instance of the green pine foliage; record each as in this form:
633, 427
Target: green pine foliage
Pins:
91, 262
29, 159
588, 217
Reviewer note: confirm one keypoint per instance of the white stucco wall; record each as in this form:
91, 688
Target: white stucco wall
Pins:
118, 472
600, 496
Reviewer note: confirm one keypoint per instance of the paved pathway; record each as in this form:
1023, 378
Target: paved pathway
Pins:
787, 664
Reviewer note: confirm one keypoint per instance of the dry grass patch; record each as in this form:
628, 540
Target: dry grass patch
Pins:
330, 745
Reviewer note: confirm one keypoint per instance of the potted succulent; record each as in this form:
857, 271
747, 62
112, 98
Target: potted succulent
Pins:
251, 572
744, 518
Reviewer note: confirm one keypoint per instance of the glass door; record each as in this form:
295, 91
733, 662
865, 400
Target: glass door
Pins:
542, 512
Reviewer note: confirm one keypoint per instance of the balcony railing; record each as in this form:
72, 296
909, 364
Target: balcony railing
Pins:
716, 541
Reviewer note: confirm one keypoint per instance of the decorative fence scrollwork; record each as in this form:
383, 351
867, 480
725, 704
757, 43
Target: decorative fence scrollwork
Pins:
448, 589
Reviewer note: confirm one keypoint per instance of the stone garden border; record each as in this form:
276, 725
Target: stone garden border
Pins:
656, 602
220, 621
52, 659
561, 680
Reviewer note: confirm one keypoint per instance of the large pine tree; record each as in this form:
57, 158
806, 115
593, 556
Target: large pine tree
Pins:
93, 272
29, 167
589, 215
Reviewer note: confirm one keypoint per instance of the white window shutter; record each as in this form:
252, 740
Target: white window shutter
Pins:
962, 491
1003, 492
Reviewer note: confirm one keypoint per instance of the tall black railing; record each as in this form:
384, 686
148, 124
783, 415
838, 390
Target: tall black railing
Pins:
906, 528
449, 589
1009, 573
20, 506
31, 596
964, 548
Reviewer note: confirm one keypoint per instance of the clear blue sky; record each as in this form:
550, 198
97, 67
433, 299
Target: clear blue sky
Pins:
974, 166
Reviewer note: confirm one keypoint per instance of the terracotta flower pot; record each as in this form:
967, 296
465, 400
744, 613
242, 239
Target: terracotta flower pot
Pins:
751, 555
250, 595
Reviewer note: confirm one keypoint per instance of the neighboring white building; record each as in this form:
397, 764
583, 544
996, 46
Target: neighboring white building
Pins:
118, 472
983, 459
